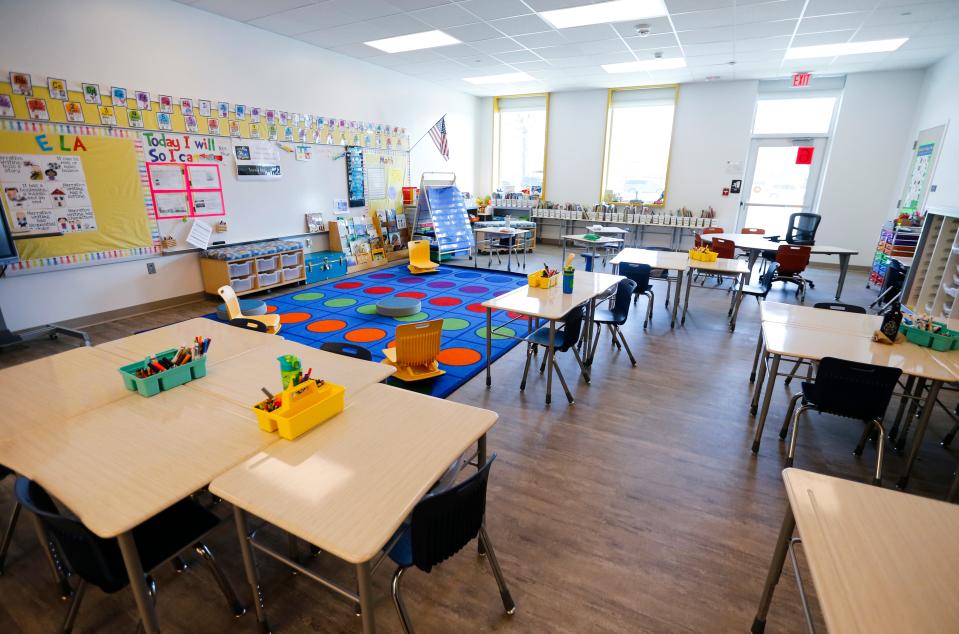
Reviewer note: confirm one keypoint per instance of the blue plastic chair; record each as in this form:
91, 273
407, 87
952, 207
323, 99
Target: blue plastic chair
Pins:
616, 316
565, 338
640, 274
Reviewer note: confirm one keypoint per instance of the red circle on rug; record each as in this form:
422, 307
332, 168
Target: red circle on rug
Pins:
378, 290
365, 335
293, 318
476, 308
348, 285
391, 344
458, 356
413, 294
513, 315
326, 325
270, 308
445, 301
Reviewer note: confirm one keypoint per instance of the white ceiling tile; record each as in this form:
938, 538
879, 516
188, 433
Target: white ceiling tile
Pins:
651, 42
550, 5
932, 41
713, 48
705, 19
776, 10
835, 22
559, 52
818, 39
244, 10
763, 44
362, 9
766, 29
591, 33
940, 27
399, 24
520, 25
682, 6
539, 40
867, 33
409, 57
705, 36
303, 20
360, 51
413, 5
828, 7
473, 32
459, 50
495, 9
497, 45
925, 12
603, 46
532, 66
341, 35
656, 25
517, 56
445, 16
707, 60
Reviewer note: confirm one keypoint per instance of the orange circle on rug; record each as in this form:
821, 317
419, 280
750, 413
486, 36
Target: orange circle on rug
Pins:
326, 325
365, 335
391, 344
458, 356
270, 308
294, 318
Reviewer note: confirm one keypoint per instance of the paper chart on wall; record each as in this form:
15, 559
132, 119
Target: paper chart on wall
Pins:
46, 194
376, 183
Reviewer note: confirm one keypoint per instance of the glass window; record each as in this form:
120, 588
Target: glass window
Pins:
638, 136
519, 160
811, 115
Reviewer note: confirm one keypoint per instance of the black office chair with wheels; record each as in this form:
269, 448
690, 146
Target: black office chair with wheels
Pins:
248, 324
836, 306
98, 561
801, 230
639, 273
565, 339
7, 536
852, 390
440, 526
347, 350
616, 316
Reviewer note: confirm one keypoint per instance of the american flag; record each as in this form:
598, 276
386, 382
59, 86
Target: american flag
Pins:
438, 134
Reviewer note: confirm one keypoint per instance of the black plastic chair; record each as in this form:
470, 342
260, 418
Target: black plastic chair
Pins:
7, 536
639, 273
347, 350
845, 388
248, 324
616, 317
440, 526
837, 306
565, 339
99, 562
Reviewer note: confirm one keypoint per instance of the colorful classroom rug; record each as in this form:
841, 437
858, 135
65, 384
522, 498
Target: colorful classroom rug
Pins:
345, 310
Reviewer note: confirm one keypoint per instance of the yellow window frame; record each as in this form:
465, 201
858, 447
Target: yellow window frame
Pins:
494, 173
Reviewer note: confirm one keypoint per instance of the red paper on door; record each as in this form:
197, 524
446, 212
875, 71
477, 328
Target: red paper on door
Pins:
804, 155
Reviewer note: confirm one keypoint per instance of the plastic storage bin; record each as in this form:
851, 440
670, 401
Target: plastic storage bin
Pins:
268, 279
943, 342
242, 284
292, 273
240, 269
289, 259
153, 385
536, 280
264, 265
302, 408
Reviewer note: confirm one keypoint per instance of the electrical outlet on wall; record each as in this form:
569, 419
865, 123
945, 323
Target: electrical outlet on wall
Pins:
151, 268
308, 241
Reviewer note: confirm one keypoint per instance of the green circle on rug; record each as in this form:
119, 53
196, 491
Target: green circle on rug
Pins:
420, 316
305, 297
498, 333
339, 302
452, 323
369, 309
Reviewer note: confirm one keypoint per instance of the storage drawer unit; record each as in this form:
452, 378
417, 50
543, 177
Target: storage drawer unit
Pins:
252, 267
324, 265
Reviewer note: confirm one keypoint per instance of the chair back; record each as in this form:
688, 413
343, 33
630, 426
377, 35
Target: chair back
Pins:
624, 293
854, 390
698, 242
753, 231
724, 248
444, 522
802, 228
418, 344
840, 307
572, 328
792, 259
93, 558
249, 324
639, 273
419, 251
230, 301
347, 350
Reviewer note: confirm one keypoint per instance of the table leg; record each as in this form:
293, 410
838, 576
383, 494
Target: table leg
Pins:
903, 434
365, 583
903, 402
689, 285
751, 260
249, 564
549, 361
775, 571
589, 351
138, 583
760, 377
767, 397
679, 288
489, 344
759, 349
928, 406
843, 267
734, 307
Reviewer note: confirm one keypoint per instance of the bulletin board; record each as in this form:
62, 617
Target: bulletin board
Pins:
186, 190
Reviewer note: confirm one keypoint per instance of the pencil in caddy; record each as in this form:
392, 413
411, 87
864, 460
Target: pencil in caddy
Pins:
166, 370
302, 406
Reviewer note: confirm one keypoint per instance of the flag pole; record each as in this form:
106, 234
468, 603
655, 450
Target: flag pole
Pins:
427, 132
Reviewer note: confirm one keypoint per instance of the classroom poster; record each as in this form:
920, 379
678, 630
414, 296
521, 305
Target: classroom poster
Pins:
354, 176
46, 194
917, 180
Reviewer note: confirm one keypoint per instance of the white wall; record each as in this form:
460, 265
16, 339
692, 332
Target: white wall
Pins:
166, 47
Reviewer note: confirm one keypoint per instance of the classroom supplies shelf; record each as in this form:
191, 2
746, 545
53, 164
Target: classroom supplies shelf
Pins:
254, 267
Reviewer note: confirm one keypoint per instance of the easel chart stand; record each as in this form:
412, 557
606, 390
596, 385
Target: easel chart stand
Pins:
441, 205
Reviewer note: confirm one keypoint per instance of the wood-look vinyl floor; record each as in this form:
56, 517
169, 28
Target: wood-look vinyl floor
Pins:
638, 509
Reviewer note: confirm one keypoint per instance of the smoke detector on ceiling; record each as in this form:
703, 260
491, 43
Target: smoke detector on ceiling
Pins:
642, 30
658, 54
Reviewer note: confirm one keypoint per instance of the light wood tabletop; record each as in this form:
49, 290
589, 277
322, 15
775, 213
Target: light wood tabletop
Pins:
50, 390
601, 240
669, 260
240, 377
729, 266
553, 303
226, 341
756, 242
881, 560
347, 485
809, 317
122, 463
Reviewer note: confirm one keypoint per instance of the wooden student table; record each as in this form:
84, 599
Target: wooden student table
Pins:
502, 232
580, 238
725, 267
347, 485
551, 304
755, 244
226, 341
665, 260
882, 561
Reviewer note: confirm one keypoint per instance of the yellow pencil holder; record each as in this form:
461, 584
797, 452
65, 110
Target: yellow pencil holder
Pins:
536, 280
302, 408
703, 256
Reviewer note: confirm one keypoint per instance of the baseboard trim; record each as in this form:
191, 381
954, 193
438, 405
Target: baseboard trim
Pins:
131, 311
